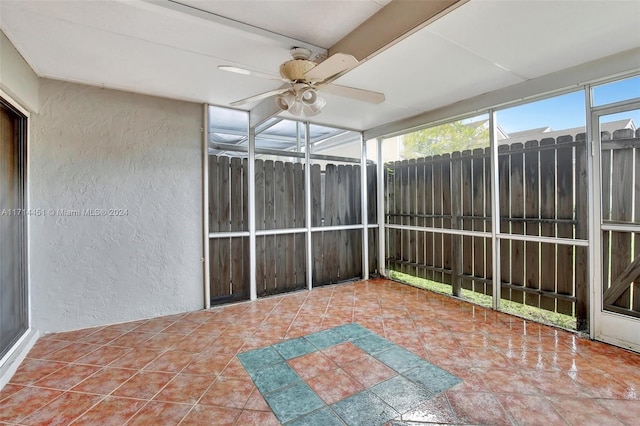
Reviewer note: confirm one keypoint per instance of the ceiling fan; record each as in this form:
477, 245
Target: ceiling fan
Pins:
305, 78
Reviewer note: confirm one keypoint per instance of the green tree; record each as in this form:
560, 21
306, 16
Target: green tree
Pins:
445, 138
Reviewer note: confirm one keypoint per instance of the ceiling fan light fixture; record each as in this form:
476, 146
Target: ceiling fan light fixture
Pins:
308, 95
314, 108
286, 100
301, 100
296, 108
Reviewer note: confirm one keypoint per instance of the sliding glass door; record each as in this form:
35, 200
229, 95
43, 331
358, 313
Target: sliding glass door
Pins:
13, 276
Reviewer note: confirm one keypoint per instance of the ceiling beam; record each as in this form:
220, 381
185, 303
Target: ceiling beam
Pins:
391, 24
236, 25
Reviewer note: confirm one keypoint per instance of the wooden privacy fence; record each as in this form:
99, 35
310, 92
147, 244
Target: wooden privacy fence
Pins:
542, 192
620, 190
228, 212
280, 204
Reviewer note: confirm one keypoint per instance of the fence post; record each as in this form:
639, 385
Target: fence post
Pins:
456, 209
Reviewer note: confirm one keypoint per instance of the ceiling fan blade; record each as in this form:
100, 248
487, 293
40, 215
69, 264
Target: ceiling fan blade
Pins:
244, 71
333, 65
353, 93
258, 97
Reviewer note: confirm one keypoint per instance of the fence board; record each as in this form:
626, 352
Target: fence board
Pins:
516, 201
215, 277
404, 209
373, 252
237, 269
389, 209
548, 166
456, 223
467, 223
269, 220
420, 209
300, 248
372, 194
478, 197
260, 214
505, 226
565, 207
428, 209
316, 220
289, 222
237, 183
488, 189
531, 205
331, 217
344, 216
245, 227
446, 220
237, 251
397, 183
437, 210
356, 207
412, 201
280, 213
223, 197
214, 191
224, 248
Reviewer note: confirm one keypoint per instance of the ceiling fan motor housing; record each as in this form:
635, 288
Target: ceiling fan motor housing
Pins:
295, 69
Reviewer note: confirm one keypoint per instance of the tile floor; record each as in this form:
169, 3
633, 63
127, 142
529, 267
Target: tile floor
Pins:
187, 369
393, 382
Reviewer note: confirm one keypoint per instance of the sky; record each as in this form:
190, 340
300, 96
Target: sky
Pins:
567, 111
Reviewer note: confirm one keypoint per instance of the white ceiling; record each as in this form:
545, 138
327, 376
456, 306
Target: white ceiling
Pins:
168, 49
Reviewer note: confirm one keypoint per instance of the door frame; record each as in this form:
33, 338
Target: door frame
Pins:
15, 354
606, 326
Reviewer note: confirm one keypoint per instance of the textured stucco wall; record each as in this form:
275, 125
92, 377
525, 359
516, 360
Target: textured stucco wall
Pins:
94, 148
17, 78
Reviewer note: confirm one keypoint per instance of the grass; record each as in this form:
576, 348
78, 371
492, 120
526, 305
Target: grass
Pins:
507, 306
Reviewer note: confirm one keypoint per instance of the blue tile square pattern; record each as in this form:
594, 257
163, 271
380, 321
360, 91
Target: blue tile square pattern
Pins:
274, 377
400, 359
294, 348
259, 358
433, 378
324, 416
325, 339
372, 344
295, 404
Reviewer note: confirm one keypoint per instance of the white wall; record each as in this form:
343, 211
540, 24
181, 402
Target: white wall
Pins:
95, 148
17, 79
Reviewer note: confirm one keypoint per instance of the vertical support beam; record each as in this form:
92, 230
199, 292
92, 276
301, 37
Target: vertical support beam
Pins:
495, 208
381, 213
594, 211
584, 204
251, 163
205, 208
363, 204
307, 200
